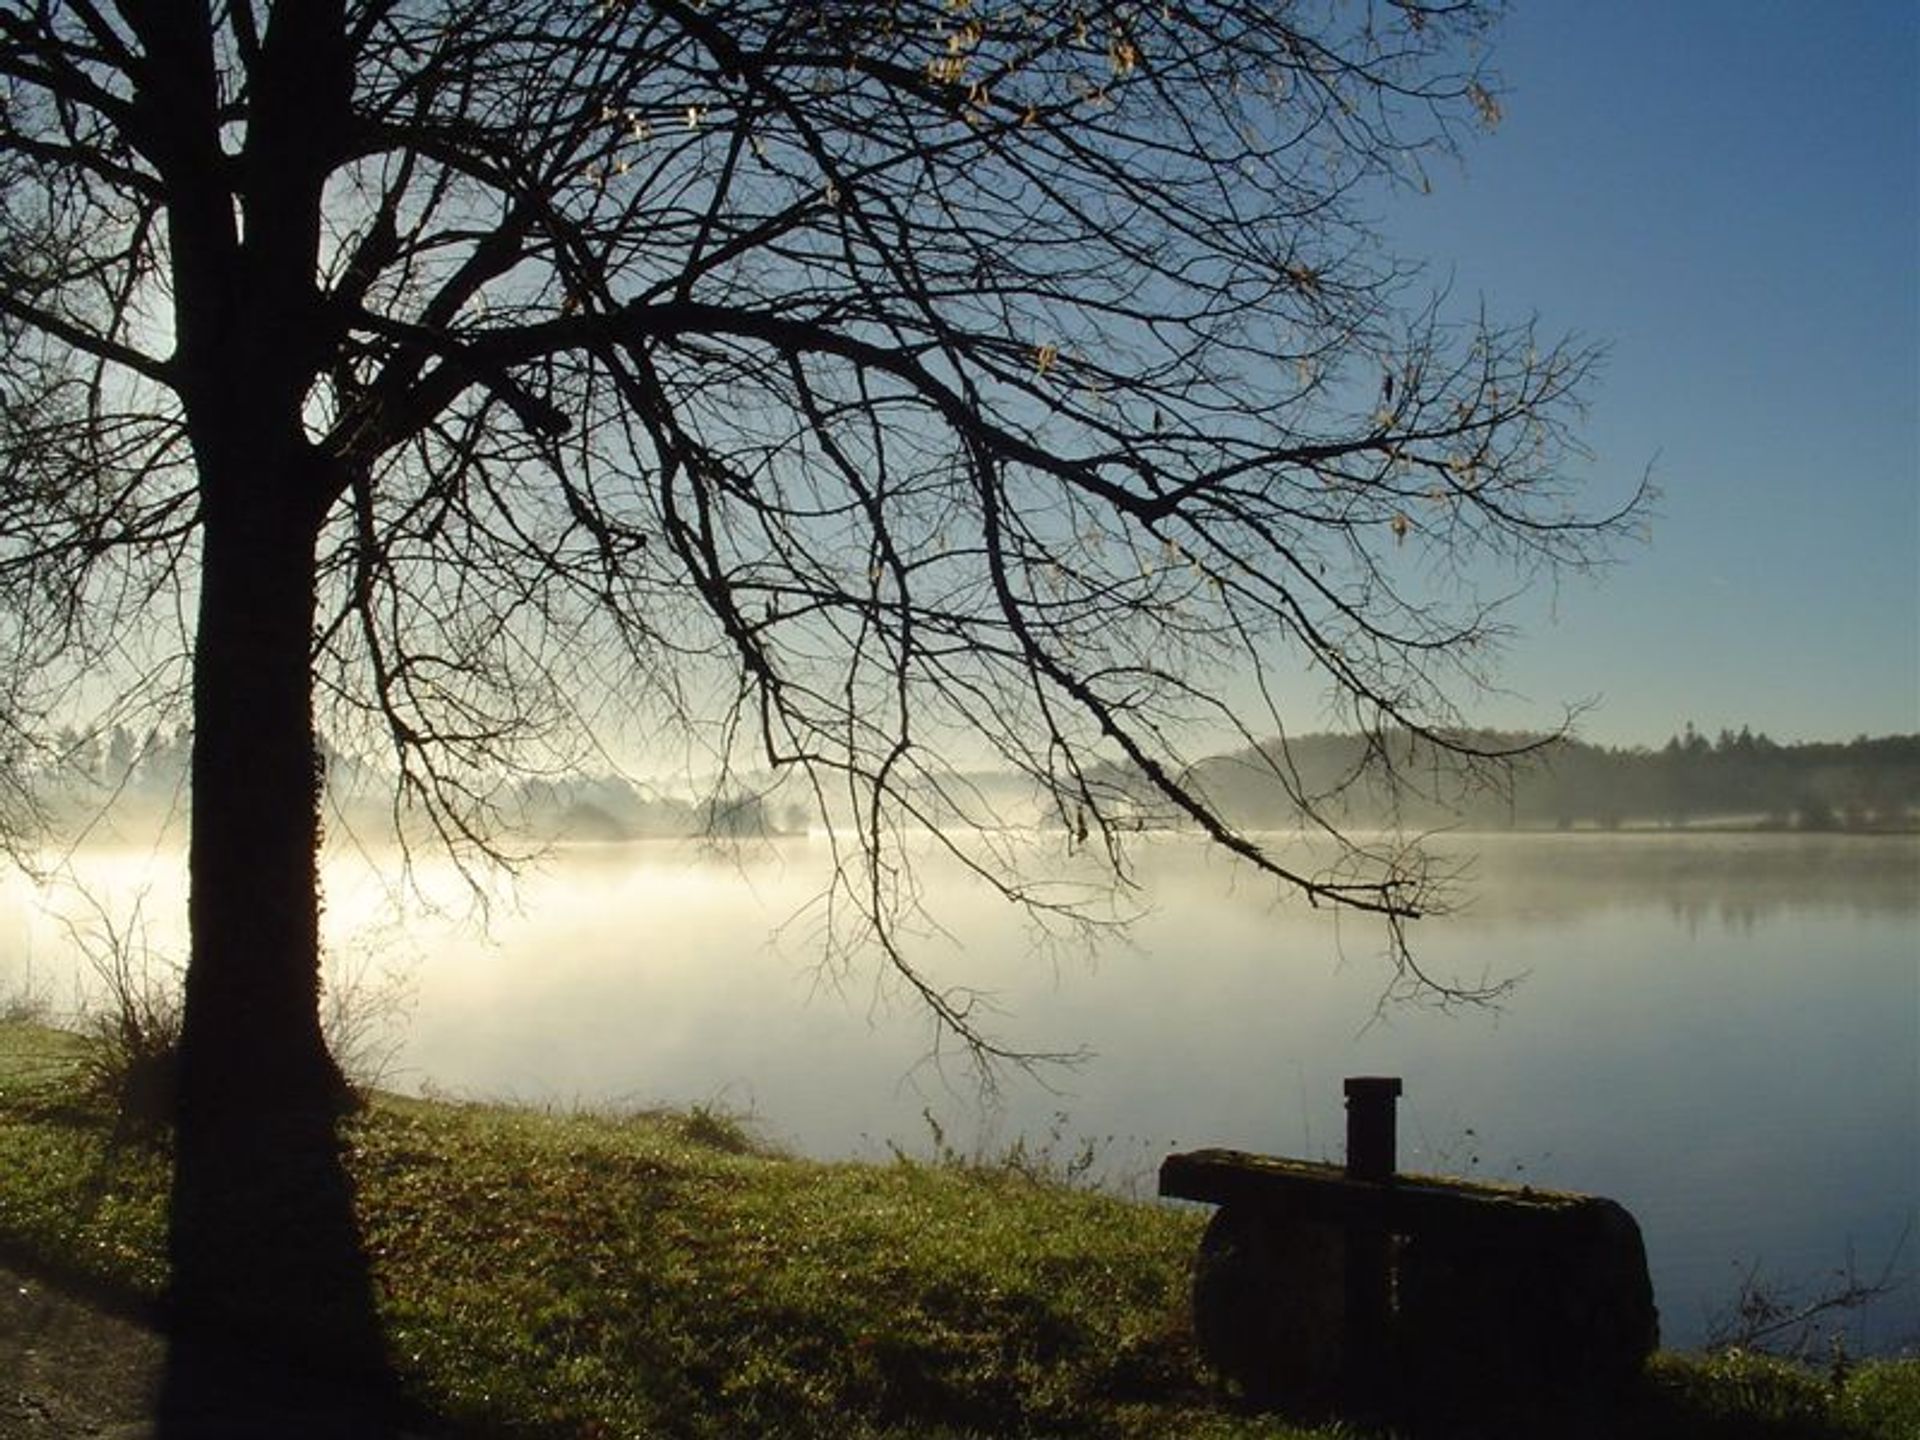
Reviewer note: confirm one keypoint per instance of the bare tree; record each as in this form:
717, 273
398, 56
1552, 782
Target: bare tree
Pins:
896, 380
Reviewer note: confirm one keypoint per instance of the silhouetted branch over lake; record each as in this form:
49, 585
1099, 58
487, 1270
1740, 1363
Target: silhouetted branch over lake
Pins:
831, 390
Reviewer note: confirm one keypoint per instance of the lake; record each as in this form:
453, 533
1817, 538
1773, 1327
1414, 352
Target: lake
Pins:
1720, 1031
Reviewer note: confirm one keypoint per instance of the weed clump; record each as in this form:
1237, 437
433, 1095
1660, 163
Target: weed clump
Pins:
134, 1063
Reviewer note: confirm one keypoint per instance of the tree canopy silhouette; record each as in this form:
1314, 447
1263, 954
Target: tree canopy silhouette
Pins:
895, 381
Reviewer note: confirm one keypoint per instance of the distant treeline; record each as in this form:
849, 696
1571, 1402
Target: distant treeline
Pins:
1742, 779
116, 781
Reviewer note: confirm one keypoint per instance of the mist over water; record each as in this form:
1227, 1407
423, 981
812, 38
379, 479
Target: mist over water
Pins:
1722, 1032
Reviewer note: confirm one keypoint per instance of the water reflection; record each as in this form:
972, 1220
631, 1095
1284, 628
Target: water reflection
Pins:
1721, 1032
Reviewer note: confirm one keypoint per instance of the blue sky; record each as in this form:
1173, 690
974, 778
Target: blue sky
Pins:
1725, 194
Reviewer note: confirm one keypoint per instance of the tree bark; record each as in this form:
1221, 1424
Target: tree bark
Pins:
263, 1237
253, 1048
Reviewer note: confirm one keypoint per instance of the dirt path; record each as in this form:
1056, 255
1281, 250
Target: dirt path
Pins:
70, 1368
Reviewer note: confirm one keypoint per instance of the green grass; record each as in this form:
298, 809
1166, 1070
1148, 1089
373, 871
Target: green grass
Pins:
599, 1276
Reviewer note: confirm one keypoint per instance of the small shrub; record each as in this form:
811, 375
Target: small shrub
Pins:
24, 1006
136, 1052
363, 1009
1799, 1322
713, 1128
135, 1024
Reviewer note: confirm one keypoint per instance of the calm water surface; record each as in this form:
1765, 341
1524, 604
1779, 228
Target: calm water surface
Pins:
1721, 1032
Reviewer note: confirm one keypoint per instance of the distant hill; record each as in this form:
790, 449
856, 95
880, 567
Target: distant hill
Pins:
1736, 779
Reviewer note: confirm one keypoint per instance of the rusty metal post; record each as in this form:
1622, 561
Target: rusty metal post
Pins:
1370, 1156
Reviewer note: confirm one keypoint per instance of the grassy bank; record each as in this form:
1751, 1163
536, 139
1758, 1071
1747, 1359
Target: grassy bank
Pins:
600, 1276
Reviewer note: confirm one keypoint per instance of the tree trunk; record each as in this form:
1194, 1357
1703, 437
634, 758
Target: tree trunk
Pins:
263, 1235
253, 1048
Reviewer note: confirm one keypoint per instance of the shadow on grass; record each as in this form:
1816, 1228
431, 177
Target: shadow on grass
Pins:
271, 1321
